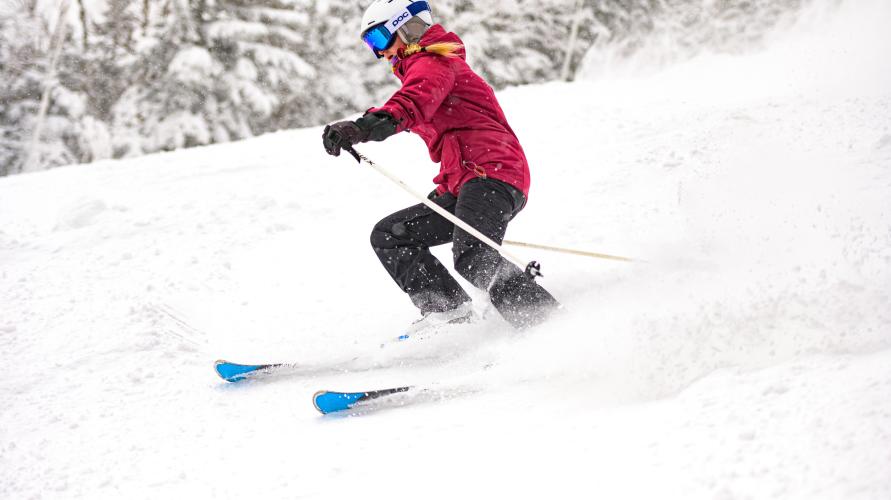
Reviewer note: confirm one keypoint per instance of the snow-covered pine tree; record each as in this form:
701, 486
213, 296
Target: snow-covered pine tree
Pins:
217, 70
20, 82
143, 115
103, 69
99, 69
350, 78
39, 116
510, 42
264, 47
514, 42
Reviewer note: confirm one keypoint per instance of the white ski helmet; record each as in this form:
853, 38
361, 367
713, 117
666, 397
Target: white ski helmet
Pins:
384, 19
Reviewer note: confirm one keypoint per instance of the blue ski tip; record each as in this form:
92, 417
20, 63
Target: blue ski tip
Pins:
233, 372
329, 402
332, 401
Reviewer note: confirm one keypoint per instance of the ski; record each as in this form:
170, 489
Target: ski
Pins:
233, 372
332, 401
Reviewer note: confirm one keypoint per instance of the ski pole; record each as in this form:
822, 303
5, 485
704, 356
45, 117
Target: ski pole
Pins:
572, 251
533, 269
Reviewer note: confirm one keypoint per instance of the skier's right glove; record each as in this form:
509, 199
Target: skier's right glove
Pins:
375, 126
342, 135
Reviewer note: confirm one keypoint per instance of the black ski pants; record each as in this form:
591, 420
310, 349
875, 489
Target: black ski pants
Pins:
403, 239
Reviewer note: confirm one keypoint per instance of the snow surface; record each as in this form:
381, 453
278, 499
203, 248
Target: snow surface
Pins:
748, 357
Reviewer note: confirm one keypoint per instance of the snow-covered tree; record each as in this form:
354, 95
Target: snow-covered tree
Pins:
219, 70
350, 78
513, 42
38, 115
19, 83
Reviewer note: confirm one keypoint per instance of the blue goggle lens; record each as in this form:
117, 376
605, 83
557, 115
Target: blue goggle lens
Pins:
378, 38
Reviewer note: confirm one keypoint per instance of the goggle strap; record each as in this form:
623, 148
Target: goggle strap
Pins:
417, 7
414, 9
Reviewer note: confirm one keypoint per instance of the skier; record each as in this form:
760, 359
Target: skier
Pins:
483, 177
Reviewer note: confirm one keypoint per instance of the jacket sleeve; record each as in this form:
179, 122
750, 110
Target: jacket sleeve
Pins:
428, 80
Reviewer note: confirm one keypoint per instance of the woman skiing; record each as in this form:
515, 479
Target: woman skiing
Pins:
483, 177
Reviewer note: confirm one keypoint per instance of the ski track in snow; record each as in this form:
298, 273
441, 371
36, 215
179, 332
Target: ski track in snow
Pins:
748, 357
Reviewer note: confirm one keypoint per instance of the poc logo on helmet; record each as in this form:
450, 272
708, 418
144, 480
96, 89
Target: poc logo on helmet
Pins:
400, 18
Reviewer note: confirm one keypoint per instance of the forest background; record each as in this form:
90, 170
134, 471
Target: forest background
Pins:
86, 80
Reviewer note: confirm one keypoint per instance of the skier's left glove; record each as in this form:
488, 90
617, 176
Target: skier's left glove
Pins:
375, 126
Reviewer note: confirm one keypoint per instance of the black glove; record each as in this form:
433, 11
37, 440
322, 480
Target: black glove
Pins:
375, 126
379, 125
342, 135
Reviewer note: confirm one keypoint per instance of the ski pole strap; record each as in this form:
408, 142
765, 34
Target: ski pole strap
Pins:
356, 155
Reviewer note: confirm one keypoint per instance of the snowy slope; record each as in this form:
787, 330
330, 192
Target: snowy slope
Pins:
749, 357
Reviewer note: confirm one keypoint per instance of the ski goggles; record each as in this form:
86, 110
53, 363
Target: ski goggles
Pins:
381, 37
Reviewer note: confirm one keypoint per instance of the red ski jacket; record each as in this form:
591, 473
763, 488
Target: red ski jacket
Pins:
455, 111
